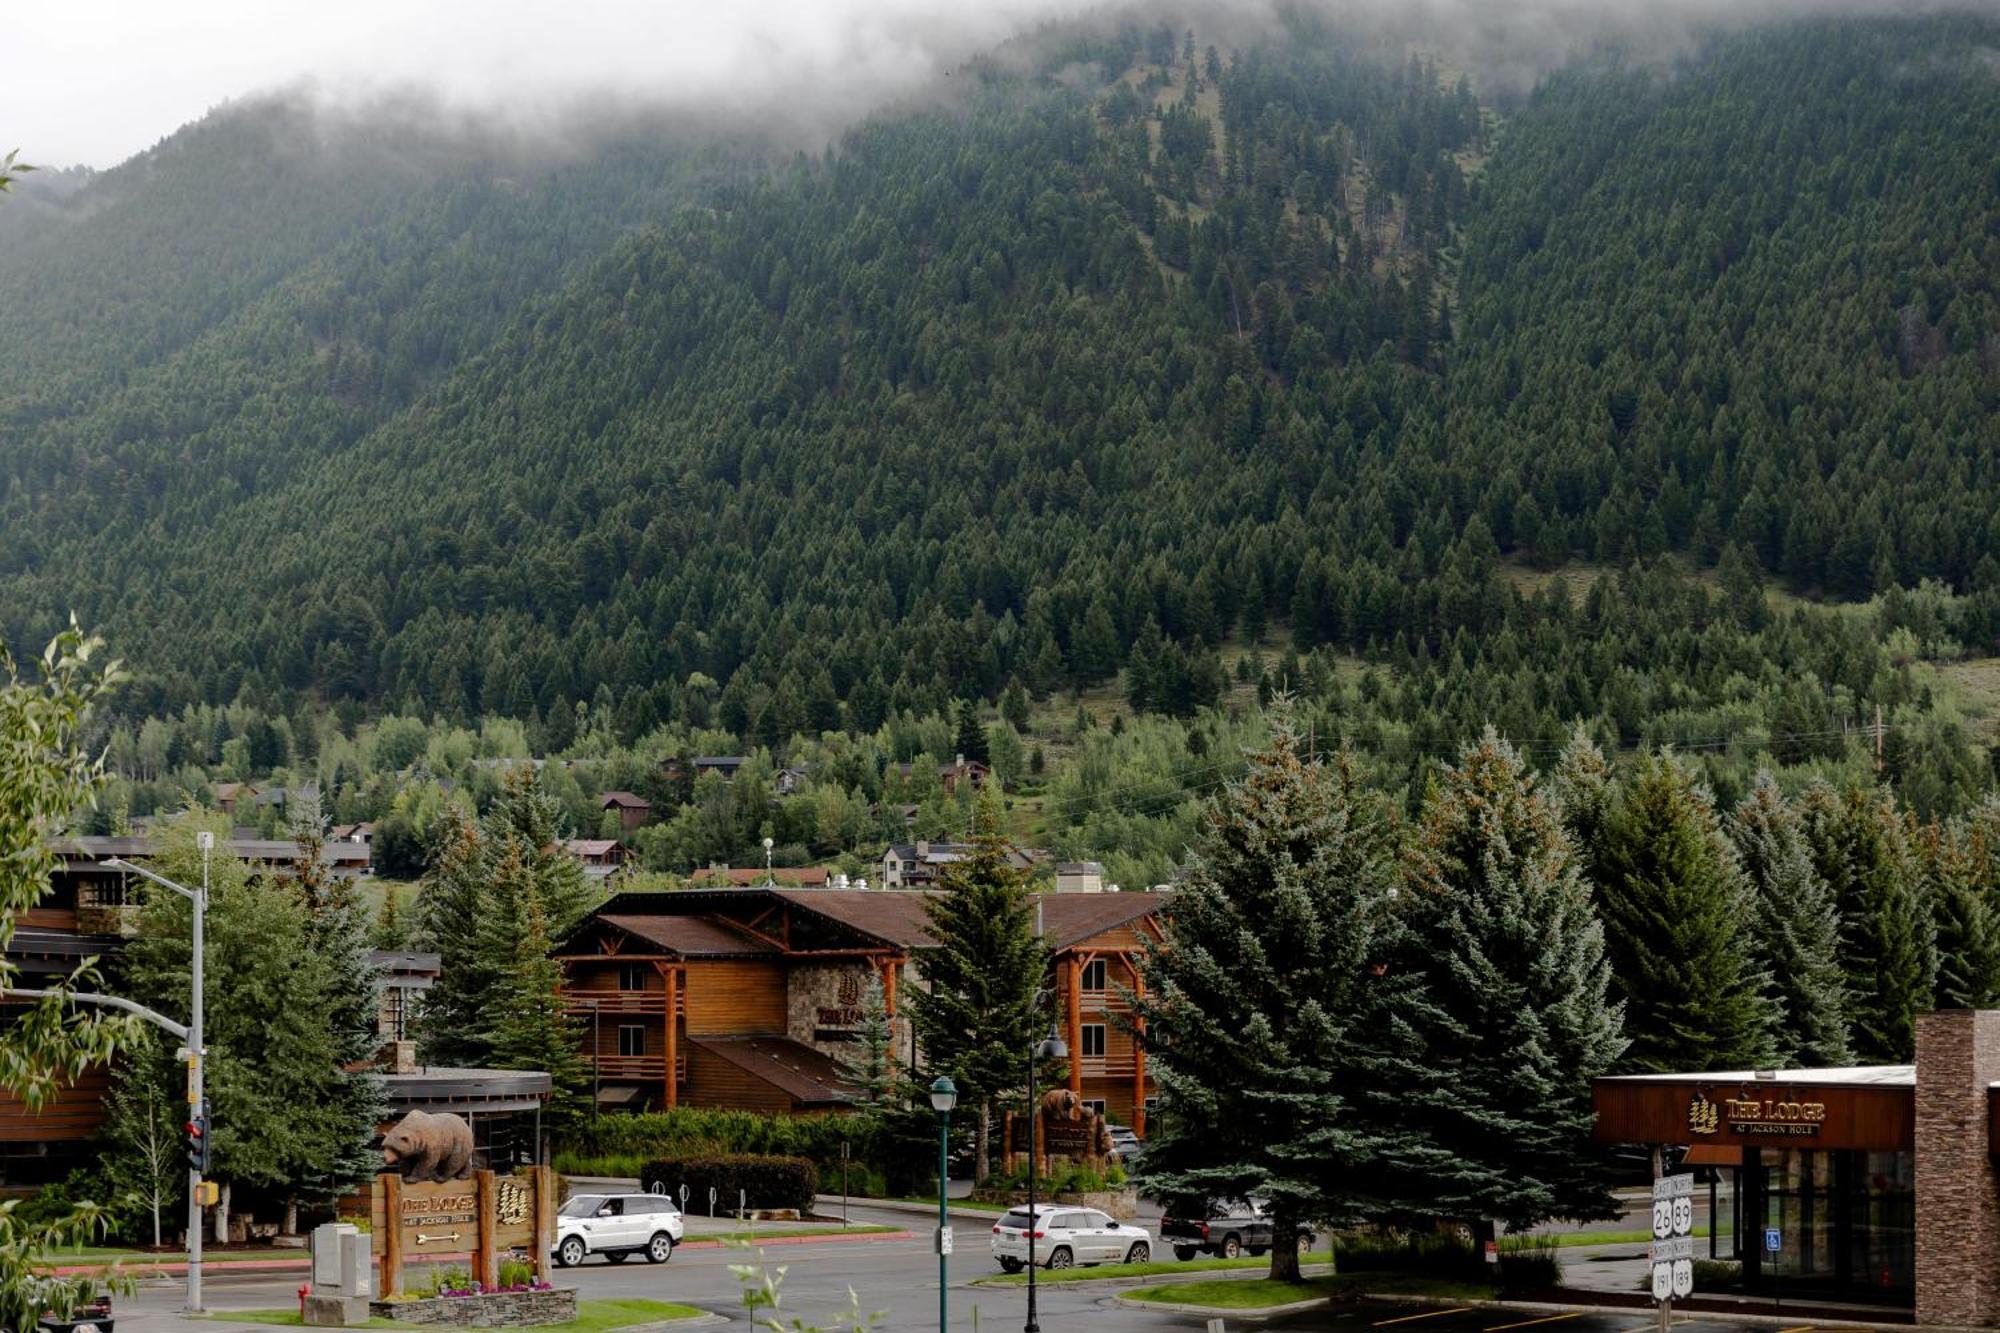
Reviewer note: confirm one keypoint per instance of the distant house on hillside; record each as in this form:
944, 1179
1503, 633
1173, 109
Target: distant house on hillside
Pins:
790, 780
227, 794
961, 769
632, 810
917, 865
602, 857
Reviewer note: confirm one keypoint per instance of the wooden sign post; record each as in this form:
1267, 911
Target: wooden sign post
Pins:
475, 1219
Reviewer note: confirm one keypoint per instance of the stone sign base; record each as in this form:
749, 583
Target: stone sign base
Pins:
499, 1309
335, 1311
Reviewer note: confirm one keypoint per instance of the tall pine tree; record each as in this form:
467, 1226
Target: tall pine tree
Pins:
1795, 933
1888, 938
1502, 1011
1955, 859
1258, 993
976, 1020
526, 1025
1676, 913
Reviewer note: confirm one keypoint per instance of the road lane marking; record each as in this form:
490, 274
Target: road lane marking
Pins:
1528, 1323
1428, 1314
1802, 1328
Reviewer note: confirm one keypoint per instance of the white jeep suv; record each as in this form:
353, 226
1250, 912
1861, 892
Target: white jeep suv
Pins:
1067, 1236
617, 1226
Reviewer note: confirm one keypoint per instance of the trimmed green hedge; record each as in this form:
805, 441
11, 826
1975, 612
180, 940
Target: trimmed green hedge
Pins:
886, 1155
765, 1182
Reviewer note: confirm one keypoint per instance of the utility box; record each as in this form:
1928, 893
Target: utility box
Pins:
340, 1276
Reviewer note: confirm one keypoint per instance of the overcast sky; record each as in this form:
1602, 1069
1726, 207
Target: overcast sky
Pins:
94, 81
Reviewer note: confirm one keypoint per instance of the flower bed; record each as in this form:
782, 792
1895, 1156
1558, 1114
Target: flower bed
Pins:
519, 1307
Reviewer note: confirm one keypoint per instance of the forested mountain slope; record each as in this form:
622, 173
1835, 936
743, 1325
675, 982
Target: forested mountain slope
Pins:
1005, 388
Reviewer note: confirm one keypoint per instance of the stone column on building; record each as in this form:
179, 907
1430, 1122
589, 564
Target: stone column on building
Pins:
1958, 1189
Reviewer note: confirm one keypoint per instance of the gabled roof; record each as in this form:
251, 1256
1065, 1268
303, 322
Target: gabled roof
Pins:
589, 846
893, 916
794, 1068
624, 799
690, 936
1068, 919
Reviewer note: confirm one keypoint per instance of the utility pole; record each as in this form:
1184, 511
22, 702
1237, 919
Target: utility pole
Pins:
196, 1054
1878, 738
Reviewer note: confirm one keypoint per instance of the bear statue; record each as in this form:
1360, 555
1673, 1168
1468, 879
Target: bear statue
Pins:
422, 1146
1061, 1104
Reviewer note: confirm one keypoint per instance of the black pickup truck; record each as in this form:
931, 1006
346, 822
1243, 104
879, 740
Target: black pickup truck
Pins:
1232, 1227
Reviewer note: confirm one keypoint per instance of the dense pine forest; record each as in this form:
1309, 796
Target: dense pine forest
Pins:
1067, 418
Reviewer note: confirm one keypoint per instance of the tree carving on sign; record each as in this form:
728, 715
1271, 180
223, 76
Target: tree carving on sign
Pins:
423, 1146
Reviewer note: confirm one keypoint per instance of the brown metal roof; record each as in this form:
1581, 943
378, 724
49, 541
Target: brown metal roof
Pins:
894, 916
794, 1068
690, 936
1068, 919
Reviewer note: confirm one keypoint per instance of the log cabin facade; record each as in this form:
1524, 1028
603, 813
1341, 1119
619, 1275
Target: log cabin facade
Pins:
746, 998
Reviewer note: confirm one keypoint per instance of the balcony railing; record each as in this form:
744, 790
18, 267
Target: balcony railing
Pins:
580, 999
1112, 1066
653, 1067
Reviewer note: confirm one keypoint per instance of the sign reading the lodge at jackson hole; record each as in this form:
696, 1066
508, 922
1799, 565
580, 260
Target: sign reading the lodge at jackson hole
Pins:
482, 1218
1749, 1113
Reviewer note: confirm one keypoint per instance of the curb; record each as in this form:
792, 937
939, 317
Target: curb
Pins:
1115, 1284
1245, 1316
1651, 1311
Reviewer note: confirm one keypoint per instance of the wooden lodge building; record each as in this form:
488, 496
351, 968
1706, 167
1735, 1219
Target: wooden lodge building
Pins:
745, 997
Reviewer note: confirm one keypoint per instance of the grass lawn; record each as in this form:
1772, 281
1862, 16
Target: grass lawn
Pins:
957, 1205
1262, 1293
1157, 1268
591, 1316
1565, 1239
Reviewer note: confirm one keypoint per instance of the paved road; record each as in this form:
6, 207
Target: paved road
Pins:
899, 1277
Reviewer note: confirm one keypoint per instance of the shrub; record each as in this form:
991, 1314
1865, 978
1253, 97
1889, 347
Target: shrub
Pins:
1530, 1263
764, 1181
1434, 1253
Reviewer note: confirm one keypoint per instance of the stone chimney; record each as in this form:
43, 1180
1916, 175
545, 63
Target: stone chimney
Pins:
1958, 1190
923, 849
398, 1057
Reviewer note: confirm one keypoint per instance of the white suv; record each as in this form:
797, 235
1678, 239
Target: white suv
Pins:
617, 1226
1066, 1236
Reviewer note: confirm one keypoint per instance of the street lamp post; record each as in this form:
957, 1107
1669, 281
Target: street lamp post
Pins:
768, 881
944, 1096
197, 1054
1052, 1047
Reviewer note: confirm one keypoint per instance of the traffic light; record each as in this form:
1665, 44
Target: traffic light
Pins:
197, 1139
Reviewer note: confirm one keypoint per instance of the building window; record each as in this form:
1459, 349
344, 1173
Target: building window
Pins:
631, 1039
632, 976
1093, 974
1093, 1040
1095, 1104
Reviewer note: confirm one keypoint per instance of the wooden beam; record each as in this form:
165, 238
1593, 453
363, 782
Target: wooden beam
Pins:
1138, 1058
673, 979
1073, 991
391, 1186
484, 1270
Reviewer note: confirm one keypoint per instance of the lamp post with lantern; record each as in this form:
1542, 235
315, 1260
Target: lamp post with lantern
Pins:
944, 1096
1052, 1047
